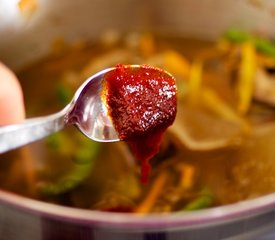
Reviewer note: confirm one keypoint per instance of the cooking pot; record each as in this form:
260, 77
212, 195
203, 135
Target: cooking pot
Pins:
27, 38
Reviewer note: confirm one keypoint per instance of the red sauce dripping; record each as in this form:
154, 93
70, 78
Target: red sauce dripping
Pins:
142, 104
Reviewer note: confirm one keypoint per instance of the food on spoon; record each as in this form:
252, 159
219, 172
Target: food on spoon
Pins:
142, 104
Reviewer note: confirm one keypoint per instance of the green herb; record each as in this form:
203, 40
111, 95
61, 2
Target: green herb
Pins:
55, 141
64, 94
60, 143
78, 148
69, 181
265, 46
237, 36
262, 45
204, 200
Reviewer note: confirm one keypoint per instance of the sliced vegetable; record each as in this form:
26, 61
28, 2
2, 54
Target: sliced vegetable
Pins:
187, 175
265, 46
149, 201
237, 36
204, 200
247, 72
64, 94
194, 83
264, 87
68, 182
28, 7
262, 45
60, 143
214, 103
82, 155
147, 44
176, 64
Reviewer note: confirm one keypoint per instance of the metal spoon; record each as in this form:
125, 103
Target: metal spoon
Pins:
87, 111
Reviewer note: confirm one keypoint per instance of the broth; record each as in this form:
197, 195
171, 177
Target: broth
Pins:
219, 150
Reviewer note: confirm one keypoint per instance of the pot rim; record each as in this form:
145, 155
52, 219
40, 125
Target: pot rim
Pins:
128, 221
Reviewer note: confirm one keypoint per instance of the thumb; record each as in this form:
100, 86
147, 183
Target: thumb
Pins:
11, 98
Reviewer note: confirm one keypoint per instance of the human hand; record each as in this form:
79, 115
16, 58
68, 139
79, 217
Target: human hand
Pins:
11, 97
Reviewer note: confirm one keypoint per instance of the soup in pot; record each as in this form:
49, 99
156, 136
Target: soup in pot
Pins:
218, 151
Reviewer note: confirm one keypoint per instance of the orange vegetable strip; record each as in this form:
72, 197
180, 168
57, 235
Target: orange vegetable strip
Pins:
187, 175
194, 84
177, 64
153, 194
246, 77
147, 44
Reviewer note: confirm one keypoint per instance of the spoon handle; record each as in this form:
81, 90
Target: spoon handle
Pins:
32, 129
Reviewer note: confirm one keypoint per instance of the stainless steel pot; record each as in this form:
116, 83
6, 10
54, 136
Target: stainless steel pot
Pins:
26, 39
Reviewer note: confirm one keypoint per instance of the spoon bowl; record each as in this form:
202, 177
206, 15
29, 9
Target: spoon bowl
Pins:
89, 113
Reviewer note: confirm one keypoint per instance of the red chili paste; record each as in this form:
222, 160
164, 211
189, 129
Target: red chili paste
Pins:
142, 104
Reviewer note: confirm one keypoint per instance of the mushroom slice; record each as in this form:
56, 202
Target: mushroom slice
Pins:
264, 87
201, 131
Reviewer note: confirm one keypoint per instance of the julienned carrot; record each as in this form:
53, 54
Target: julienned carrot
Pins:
187, 175
146, 205
176, 64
